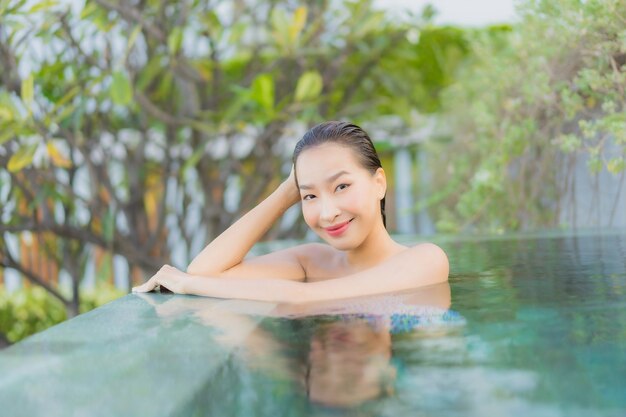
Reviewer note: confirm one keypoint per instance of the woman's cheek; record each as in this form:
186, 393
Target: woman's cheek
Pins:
308, 212
351, 202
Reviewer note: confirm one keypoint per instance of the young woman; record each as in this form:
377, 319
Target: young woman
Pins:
338, 177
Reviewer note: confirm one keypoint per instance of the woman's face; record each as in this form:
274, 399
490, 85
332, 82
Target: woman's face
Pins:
340, 198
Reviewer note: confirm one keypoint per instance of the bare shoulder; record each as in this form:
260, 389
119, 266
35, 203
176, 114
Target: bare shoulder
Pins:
320, 261
313, 252
427, 247
425, 255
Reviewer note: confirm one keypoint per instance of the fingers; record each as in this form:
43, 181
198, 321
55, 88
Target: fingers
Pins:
168, 269
166, 277
145, 287
149, 285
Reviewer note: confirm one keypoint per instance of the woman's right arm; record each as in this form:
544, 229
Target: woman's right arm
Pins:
224, 256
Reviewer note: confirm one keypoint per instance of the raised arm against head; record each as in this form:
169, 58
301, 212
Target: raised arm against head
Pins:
342, 186
224, 255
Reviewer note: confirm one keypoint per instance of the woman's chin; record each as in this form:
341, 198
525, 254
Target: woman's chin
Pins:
341, 244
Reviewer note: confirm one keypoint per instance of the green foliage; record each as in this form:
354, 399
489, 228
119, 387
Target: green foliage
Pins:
414, 70
103, 293
528, 100
22, 158
28, 311
121, 89
309, 86
33, 309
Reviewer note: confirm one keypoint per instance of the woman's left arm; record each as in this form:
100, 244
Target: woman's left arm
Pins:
419, 266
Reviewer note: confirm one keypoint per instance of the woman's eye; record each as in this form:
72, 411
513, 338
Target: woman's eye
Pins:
308, 197
342, 187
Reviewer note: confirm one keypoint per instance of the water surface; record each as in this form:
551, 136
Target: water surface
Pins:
529, 325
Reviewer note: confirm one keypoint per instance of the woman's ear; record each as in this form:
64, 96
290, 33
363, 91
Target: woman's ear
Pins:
381, 182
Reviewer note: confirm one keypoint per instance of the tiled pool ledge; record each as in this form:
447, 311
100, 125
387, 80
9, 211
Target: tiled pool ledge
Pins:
118, 360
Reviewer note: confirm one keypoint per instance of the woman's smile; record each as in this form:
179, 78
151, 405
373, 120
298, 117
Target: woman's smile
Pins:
338, 229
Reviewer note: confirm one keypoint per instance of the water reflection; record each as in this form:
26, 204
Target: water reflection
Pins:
336, 354
349, 362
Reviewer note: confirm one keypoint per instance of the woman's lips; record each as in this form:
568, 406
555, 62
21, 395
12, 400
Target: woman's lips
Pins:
339, 229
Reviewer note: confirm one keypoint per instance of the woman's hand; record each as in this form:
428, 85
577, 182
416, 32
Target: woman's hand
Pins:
290, 188
168, 277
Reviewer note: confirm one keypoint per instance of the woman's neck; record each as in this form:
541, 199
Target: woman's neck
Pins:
377, 247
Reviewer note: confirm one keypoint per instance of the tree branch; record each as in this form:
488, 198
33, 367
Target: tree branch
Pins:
133, 15
7, 261
120, 244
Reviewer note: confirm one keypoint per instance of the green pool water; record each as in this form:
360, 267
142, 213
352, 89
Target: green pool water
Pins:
535, 326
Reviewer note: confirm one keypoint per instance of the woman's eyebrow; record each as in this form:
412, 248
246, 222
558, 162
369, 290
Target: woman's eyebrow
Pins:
329, 179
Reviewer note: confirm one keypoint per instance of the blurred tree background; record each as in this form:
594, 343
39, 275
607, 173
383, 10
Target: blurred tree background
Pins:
527, 104
125, 126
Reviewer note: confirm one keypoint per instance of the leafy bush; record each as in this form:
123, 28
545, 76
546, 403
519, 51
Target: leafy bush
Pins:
530, 100
32, 309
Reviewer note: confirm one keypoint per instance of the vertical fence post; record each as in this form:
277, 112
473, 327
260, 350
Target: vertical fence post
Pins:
425, 224
403, 168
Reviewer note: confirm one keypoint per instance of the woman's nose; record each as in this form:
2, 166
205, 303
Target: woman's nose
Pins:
329, 211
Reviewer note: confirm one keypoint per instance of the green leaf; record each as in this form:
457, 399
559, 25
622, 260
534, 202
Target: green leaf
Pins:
14, 8
28, 90
296, 26
121, 90
280, 27
6, 113
233, 109
192, 160
309, 86
148, 72
236, 32
133, 38
164, 88
42, 5
66, 112
569, 143
68, 96
100, 17
22, 158
175, 40
370, 23
6, 134
108, 226
594, 163
202, 127
56, 157
212, 22
616, 165
88, 10
263, 91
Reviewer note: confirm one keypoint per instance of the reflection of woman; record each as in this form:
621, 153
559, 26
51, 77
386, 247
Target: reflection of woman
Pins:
349, 362
341, 184
344, 361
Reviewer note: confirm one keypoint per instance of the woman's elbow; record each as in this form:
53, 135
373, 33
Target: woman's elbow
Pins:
197, 269
192, 269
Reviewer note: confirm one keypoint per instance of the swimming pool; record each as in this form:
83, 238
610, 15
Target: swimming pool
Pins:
536, 325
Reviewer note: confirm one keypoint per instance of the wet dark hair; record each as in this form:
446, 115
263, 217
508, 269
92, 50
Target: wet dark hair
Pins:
346, 134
